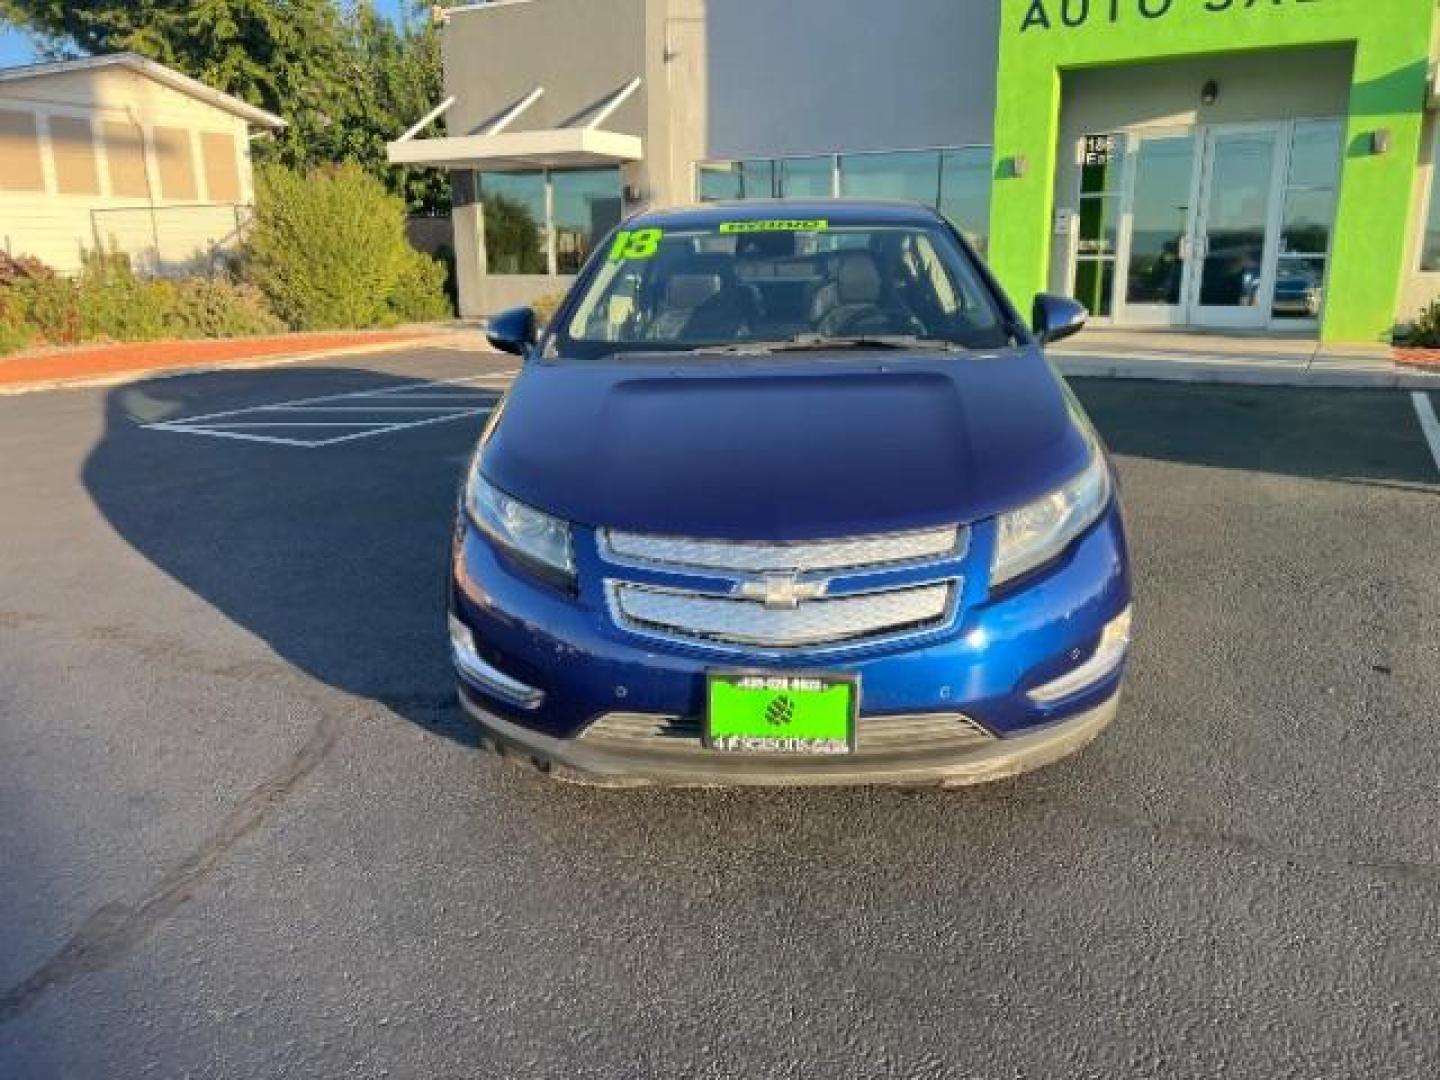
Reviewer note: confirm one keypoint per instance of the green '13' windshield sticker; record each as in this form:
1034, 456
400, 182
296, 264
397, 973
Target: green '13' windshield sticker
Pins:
773, 226
635, 244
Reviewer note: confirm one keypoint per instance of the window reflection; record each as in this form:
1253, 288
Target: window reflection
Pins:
913, 176
807, 177
586, 204
514, 208
955, 181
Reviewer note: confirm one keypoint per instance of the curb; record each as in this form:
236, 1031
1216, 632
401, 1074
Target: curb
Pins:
117, 378
1326, 374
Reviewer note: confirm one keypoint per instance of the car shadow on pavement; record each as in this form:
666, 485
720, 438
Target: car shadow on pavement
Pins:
1368, 437
334, 556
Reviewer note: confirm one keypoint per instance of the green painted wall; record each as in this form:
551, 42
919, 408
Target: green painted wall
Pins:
1039, 39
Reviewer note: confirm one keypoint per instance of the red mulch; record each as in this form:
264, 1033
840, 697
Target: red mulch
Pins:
97, 361
1426, 358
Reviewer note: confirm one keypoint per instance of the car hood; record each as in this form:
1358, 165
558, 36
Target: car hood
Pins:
785, 447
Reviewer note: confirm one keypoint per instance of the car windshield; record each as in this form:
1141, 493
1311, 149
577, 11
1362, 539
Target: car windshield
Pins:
770, 285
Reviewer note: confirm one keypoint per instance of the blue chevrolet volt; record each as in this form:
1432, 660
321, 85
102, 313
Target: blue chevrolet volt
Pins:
787, 493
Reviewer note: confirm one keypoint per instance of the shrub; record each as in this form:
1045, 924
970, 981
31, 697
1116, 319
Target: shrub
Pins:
1425, 331
328, 249
14, 334
419, 293
14, 268
50, 307
115, 304
218, 307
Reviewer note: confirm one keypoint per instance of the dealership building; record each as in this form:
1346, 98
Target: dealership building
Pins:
1252, 165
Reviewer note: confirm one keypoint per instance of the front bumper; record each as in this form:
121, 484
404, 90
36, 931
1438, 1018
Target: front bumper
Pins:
547, 672
690, 765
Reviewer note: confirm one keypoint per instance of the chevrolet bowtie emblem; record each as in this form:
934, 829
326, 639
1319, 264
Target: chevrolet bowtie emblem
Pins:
780, 590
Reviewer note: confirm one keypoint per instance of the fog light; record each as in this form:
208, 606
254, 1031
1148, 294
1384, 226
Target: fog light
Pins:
485, 675
1114, 641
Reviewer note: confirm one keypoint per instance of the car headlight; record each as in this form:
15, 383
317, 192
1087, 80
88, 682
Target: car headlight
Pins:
533, 537
1036, 532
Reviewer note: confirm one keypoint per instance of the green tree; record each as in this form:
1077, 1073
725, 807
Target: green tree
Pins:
346, 79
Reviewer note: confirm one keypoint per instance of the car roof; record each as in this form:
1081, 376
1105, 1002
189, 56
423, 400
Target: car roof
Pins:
835, 211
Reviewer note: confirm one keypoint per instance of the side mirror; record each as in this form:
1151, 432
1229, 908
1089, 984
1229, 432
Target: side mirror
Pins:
1056, 317
512, 331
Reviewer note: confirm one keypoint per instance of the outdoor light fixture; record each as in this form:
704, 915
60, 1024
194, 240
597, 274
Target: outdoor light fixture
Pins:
1380, 141
1210, 92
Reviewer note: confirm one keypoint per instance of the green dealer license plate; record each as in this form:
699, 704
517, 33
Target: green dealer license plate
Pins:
767, 712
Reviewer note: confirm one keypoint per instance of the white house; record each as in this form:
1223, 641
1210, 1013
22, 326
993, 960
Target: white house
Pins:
121, 152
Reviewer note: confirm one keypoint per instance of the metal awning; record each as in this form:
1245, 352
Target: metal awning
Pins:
499, 150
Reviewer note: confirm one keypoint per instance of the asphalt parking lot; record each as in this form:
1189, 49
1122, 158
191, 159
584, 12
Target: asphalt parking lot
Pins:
244, 830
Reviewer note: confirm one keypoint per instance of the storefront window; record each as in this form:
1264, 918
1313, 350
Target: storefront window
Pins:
965, 192
1099, 225
514, 208
807, 177
586, 206
913, 175
1430, 242
955, 181
717, 182
736, 180
1309, 213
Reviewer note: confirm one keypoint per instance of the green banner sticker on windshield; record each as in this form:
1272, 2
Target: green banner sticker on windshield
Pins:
635, 244
779, 225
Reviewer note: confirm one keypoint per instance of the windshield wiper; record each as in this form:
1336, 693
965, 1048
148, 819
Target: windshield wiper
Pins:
817, 342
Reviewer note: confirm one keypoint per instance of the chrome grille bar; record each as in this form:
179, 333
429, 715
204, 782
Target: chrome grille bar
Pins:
829, 621
745, 557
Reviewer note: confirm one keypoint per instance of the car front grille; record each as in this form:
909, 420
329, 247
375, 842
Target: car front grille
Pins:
780, 597
937, 733
829, 621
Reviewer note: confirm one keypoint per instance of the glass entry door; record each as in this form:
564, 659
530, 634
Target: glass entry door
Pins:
1156, 256
1213, 226
1234, 232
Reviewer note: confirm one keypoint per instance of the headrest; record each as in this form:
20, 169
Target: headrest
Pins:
688, 291
857, 278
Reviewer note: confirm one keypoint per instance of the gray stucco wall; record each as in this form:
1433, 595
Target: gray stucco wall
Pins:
581, 51
814, 76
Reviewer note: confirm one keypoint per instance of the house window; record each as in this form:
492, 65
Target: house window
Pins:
177, 167
72, 147
547, 222
222, 169
20, 153
125, 155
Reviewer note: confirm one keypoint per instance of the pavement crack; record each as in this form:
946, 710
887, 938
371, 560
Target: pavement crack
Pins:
115, 929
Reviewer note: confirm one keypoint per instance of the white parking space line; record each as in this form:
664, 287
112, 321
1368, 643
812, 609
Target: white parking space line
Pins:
393, 408
1429, 425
